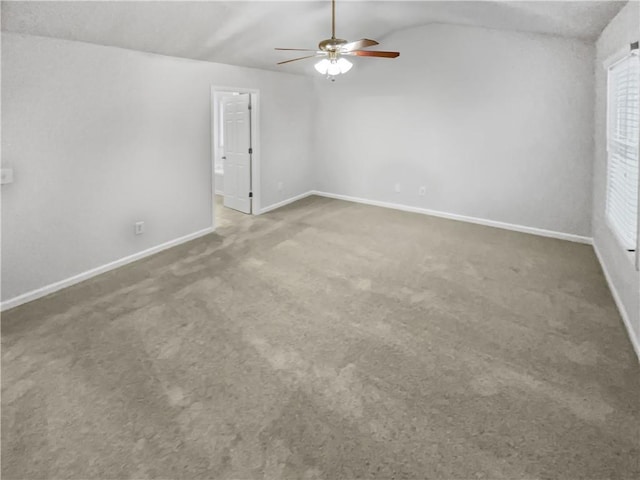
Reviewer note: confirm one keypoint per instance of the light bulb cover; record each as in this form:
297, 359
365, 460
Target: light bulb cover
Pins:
344, 64
322, 66
333, 68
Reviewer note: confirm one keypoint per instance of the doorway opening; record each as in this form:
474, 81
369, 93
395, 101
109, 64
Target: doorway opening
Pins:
235, 153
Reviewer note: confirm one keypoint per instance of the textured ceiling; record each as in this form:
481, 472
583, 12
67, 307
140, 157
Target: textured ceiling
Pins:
244, 33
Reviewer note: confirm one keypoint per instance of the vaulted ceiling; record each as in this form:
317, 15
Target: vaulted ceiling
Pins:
245, 33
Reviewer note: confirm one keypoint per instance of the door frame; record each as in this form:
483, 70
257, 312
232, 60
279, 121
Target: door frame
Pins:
255, 144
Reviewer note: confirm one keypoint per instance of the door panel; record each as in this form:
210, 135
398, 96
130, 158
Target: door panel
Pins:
237, 142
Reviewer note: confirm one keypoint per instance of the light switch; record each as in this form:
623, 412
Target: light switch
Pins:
6, 176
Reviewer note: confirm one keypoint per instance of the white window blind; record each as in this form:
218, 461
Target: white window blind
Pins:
623, 127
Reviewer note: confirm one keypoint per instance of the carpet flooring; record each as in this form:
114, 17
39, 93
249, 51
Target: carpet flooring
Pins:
327, 340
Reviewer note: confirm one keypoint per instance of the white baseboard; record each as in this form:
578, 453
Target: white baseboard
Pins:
54, 287
48, 289
462, 218
274, 206
621, 308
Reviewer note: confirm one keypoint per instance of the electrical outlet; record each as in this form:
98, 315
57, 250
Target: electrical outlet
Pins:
422, 191
6, 176
397, 188
280, 186
138, 228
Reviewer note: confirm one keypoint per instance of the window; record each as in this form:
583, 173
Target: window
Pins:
623, 125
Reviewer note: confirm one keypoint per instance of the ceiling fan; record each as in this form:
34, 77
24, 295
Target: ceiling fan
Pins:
335, 49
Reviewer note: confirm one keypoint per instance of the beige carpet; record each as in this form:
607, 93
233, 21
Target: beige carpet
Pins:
327, 340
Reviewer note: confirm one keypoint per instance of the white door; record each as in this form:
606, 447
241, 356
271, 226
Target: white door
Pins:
237, 148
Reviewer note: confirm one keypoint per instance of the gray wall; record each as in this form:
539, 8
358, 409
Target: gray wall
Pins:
497, 125
625, 279
101, 137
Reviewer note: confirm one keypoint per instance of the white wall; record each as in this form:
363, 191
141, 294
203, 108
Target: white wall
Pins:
101, 137
619, 265
497, 125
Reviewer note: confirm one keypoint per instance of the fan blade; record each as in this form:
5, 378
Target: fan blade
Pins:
297, 49
300, 58
372, 53
358, 44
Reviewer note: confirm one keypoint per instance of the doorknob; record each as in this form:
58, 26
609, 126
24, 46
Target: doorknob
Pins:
224, 158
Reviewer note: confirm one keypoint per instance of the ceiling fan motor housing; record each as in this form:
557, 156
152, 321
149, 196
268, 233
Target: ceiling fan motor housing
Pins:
331, 44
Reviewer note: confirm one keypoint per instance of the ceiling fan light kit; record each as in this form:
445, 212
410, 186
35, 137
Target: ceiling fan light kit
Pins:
333, 67
334, 49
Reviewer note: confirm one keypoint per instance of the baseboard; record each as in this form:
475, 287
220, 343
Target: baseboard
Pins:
462, 218
54, 287
285, 202
635, 342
